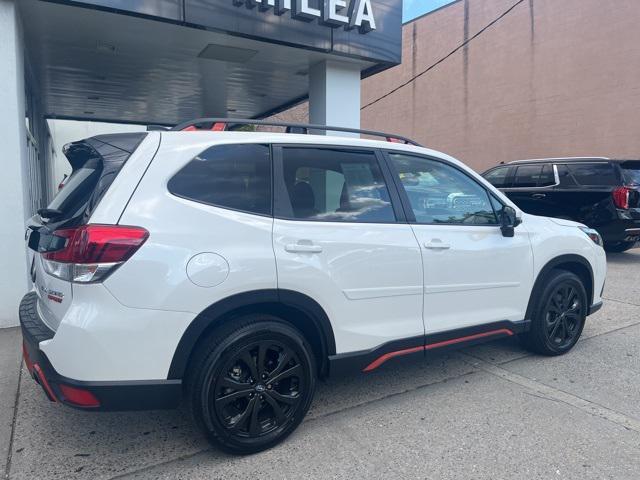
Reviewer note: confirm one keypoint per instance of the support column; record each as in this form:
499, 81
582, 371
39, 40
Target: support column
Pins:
334, 94
14, 193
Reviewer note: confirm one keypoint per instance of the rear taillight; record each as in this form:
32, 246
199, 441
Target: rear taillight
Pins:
92, 252
621, 197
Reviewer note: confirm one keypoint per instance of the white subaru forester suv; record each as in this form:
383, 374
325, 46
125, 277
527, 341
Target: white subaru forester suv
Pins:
233, 269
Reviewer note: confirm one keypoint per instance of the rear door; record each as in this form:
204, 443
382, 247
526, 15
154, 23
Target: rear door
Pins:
340, 239
532, 187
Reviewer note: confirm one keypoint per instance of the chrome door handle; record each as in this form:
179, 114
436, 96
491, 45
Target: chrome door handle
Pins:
302, 248
538, 195
437, 246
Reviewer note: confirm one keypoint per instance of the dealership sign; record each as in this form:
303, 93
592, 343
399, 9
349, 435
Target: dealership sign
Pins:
351, 14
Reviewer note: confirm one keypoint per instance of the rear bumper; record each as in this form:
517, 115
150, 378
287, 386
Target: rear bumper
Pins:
98, 396
621, 230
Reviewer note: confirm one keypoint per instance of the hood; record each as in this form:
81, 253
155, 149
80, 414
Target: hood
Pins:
566, 223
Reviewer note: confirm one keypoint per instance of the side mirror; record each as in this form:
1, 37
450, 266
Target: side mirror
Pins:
508, 221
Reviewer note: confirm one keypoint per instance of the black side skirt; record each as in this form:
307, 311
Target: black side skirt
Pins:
369, 360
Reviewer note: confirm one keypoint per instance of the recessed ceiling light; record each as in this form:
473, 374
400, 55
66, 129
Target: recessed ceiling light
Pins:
224, 53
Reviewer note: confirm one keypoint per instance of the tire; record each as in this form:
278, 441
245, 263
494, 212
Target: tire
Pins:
237, 412
558, 314
619, 247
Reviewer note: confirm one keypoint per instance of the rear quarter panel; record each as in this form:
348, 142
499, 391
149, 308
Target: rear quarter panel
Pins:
179, 230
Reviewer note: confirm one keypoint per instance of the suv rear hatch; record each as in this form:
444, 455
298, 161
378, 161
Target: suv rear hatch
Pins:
95, 164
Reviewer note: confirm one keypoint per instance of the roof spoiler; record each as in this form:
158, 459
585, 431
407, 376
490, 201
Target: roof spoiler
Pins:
78, 153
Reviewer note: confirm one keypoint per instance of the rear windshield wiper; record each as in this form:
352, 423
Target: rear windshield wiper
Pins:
49, 213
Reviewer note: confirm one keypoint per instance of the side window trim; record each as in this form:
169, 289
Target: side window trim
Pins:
282, 205
404, 198
409, 214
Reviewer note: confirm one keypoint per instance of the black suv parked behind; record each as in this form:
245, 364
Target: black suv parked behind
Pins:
602, 193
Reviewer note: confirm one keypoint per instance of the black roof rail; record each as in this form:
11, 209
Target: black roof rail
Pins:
157, 128
232, 123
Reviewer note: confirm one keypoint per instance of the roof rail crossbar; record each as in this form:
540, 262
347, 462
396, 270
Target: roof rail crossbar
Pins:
291, 127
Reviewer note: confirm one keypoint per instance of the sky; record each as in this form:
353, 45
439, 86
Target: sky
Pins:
415, 8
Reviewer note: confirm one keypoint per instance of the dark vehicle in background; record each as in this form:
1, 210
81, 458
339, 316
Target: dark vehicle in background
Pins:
602, 193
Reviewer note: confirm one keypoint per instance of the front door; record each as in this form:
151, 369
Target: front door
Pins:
337, 239
473, 274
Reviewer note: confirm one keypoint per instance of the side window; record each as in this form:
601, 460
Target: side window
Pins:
496, 204
335, 185
547, 176
527, 176
229, 176
441, 194
593, 173
566, 180
498, 177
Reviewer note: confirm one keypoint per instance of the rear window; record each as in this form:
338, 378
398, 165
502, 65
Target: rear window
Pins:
96, 162
631, 173
593, 174
237, 177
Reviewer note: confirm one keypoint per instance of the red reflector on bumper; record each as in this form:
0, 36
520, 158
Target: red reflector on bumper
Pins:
27, 359
78, 397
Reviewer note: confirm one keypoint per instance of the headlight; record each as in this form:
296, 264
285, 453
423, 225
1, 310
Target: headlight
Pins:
593, 235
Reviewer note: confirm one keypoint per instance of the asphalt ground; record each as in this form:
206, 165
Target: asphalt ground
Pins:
487, 412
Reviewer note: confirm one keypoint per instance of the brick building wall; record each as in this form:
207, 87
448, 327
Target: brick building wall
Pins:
552, 78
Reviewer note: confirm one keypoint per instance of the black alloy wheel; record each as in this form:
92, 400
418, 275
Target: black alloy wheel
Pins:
564, 314
259, 389
251, 383
558, 312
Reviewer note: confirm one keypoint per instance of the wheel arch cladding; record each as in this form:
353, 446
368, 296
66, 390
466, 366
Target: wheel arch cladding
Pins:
576, 264
295, 308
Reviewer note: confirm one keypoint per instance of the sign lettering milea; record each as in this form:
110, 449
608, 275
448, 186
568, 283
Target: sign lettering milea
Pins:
350, 14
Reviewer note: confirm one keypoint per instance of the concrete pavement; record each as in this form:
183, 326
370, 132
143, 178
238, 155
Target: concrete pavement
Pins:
488, 412
10, 366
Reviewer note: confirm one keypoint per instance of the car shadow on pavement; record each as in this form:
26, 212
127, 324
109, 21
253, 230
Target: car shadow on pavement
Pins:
75, 444
626, 258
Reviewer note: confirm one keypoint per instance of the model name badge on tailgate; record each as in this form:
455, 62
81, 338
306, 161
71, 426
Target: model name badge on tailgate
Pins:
52, 294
